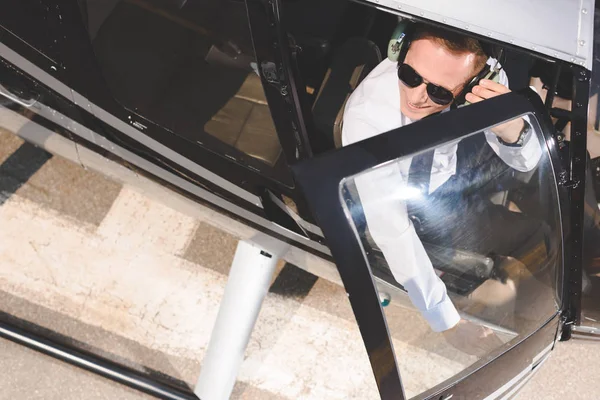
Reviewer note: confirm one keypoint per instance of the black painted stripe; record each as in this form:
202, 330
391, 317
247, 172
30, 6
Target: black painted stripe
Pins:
293, 282
16, 170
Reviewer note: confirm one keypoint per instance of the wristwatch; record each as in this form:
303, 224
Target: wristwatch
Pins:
522, 135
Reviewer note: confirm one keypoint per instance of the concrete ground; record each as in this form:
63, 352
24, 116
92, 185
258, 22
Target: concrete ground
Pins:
113, 272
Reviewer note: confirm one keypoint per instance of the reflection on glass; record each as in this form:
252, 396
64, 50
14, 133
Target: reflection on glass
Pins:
470, 230
188, 66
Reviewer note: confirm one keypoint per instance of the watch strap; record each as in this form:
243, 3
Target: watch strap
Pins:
522, 135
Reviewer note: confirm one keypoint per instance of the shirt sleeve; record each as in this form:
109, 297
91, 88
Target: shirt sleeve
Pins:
387, 219
356, 128
522, 158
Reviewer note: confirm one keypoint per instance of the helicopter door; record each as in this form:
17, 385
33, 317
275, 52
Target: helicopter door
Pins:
450, 248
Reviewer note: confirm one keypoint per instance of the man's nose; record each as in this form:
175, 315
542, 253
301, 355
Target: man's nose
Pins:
419, 94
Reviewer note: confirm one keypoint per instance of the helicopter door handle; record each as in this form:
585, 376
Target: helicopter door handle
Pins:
28, 103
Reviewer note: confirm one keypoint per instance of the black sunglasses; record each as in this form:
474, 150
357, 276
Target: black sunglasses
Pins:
412, 79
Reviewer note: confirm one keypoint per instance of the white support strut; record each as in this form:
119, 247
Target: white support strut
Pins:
247, 286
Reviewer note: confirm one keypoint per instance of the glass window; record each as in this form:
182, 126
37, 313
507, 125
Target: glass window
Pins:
188, 66
471, 230
341, 42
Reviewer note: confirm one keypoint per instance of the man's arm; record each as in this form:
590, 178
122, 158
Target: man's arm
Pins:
502, 138
380, 191
524, 157
392, 232
387, 219
355, 128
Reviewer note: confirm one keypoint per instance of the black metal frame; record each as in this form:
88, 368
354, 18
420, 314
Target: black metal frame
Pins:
573, 179
576, 184
322, 192
281, 84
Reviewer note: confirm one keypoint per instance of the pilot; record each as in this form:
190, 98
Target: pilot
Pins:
435, 70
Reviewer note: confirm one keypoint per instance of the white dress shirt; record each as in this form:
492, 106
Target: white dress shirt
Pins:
374, 108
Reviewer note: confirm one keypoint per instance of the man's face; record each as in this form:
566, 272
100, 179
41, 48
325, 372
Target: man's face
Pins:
437, 65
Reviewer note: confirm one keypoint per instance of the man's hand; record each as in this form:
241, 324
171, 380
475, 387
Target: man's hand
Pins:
472, 339
486, 89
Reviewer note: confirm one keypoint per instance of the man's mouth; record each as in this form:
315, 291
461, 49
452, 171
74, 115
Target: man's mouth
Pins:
416, 107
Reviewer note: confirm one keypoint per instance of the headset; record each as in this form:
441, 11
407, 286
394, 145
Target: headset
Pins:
400, 42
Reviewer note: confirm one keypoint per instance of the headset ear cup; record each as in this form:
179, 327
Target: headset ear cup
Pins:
398, 44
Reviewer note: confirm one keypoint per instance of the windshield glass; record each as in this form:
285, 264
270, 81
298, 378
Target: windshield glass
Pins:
471, 232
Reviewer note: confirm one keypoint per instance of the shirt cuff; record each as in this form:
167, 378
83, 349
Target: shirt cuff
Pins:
443, 316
